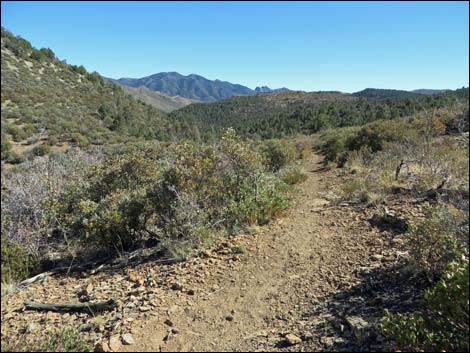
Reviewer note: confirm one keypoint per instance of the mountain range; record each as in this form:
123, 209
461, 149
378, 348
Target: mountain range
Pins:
192, 86
173, 88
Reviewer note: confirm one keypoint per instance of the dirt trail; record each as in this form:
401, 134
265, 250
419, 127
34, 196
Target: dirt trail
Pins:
289, 269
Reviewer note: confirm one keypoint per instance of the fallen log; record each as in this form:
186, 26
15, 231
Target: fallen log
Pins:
91, 308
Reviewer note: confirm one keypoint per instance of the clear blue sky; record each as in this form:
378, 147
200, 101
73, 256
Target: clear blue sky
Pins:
344, 46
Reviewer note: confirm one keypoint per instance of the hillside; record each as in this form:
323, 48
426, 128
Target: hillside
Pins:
48, 104
430, 91
285, 113
161, 101
375, 93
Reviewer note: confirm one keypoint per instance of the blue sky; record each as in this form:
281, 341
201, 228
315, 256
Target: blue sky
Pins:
310, 46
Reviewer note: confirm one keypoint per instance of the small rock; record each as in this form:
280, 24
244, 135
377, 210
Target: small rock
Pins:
89, 288
190, 292
101, 347
377, 257
136, 279
229, 318
205, 253
30, 328
292, 339
175, 331
145, 308
397, 241
114, 343
359, 327
138, 290
307, 336
176, 286
86, 327
127, 339
169, 322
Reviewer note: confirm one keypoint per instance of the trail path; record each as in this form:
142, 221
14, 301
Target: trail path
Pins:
283, 284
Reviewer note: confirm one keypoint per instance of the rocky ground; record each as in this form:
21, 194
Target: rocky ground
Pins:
318, 278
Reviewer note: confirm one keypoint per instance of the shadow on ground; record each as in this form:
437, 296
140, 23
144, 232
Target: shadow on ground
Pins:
351, 315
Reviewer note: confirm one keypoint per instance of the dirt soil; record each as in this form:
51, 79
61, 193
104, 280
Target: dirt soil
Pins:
317, 278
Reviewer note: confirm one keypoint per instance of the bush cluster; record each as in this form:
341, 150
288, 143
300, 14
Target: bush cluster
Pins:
278, 153
181, 195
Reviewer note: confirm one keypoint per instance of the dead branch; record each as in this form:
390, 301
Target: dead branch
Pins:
91, 308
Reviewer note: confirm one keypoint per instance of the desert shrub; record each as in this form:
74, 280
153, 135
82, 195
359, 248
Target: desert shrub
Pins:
334, 151
439, 247
6, 147
31, 140
260, 204
14, 158
79, 139
107, 207
53, 140
66, 339
29, 199
17, 133
442, 324
304, 147
292, 175
40, 150
367, 136
238, 249
180, 194
17, 264
438, 241
278, 153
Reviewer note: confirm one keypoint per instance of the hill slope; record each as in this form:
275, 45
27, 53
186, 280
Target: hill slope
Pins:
46, 101
278, 114
376, 93
430, 91
161, 101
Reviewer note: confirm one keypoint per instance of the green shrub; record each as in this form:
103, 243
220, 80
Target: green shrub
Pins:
261, 199
79, 139
17, 264
17, 133
292, 175
14, 158
334, 151
238, 249
180, 194
53, 140
434, 243
40, 150
66, 340
278, 153
369, 136
304, 147
6, 147
442, 325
